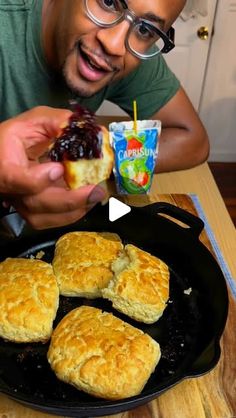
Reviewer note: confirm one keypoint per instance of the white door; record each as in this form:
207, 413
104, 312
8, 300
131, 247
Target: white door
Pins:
218, 105
188, 59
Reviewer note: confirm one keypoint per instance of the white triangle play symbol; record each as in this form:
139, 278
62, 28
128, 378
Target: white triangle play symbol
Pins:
117, 209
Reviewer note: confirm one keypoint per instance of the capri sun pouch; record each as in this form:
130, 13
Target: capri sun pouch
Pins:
136, 153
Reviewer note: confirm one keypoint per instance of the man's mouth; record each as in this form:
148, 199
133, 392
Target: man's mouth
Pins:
92, 67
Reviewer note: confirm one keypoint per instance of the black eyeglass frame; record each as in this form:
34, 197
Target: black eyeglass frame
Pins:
167, 37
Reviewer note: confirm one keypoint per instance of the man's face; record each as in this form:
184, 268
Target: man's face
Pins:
91, 57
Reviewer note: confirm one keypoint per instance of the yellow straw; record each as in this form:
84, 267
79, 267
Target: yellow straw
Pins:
135, 115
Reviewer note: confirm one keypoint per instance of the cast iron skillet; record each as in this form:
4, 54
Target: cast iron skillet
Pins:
189, 331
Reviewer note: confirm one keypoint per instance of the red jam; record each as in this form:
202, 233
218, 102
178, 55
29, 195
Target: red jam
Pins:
81, 138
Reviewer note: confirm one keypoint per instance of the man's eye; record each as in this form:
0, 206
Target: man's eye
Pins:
145, 31
109, 4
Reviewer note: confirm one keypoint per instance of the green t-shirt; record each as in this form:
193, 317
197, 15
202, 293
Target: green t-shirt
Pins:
26, 81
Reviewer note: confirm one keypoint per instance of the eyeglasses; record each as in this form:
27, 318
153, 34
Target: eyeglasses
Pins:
142, 34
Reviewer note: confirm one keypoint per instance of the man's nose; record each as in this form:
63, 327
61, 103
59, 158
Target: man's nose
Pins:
113, 39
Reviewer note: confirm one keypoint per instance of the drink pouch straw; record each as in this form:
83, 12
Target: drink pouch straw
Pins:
135, 147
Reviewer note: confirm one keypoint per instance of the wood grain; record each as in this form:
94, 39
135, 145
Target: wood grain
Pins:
214, 394
225, 177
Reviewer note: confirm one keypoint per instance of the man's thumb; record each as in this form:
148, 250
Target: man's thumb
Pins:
43, 174
55, 173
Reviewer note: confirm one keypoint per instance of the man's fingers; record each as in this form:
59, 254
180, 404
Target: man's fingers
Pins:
41, 120
30, 180
59, 200
52, 220
57, 206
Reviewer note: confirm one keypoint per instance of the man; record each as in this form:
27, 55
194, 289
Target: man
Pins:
92, 50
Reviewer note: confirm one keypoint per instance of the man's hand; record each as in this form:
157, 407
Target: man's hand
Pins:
36, 190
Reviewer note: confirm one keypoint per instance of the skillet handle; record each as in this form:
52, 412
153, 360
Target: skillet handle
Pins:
195, 224
206, 361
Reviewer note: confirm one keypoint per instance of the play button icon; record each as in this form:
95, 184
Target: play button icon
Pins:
117, 209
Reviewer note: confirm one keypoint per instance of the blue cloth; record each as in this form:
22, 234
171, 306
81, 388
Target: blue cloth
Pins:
223, 265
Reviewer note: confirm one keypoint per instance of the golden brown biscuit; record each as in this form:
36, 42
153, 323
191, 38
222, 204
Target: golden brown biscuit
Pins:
90, 171
29, 298
101, 354
82, 262
140, 286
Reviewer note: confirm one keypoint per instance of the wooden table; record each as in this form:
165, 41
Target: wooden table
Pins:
214, 394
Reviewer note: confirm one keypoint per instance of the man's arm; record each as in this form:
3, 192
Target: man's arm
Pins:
184, 142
